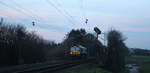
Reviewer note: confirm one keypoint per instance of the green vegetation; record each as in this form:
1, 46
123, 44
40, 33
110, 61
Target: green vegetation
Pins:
137, 59
125, 70
145, 68
142, 61
95, 70
88, 68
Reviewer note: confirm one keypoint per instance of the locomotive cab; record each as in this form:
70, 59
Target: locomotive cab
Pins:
77, 52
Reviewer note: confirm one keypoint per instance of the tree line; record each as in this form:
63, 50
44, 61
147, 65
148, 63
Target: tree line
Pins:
19, 46
139, 52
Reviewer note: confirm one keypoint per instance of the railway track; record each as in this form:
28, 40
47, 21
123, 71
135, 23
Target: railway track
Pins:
48, 68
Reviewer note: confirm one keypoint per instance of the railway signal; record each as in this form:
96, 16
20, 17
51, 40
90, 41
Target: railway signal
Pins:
98, 31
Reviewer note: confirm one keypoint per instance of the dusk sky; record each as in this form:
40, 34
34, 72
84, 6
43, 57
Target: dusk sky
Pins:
54, 18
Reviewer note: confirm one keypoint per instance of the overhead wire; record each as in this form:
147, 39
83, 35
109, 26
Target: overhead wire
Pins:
4, 15
60, 11
24, 9
29, 13
17, 9
13, 8
81, 2
65, 11
83, 12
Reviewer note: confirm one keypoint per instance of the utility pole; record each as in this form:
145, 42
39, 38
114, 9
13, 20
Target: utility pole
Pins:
86, 20
1, 21
104, 39
33, 23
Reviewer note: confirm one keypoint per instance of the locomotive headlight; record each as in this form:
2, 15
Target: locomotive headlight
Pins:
71, 53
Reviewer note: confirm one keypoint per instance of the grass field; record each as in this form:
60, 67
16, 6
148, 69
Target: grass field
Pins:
145, 68
137, 59
142, 61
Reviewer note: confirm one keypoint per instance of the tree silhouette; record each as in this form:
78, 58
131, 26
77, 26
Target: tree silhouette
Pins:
116, 51
19, 46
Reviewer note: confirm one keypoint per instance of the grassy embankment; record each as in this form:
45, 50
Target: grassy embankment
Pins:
142, 61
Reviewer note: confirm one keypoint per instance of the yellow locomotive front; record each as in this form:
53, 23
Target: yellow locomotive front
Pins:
77, 52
